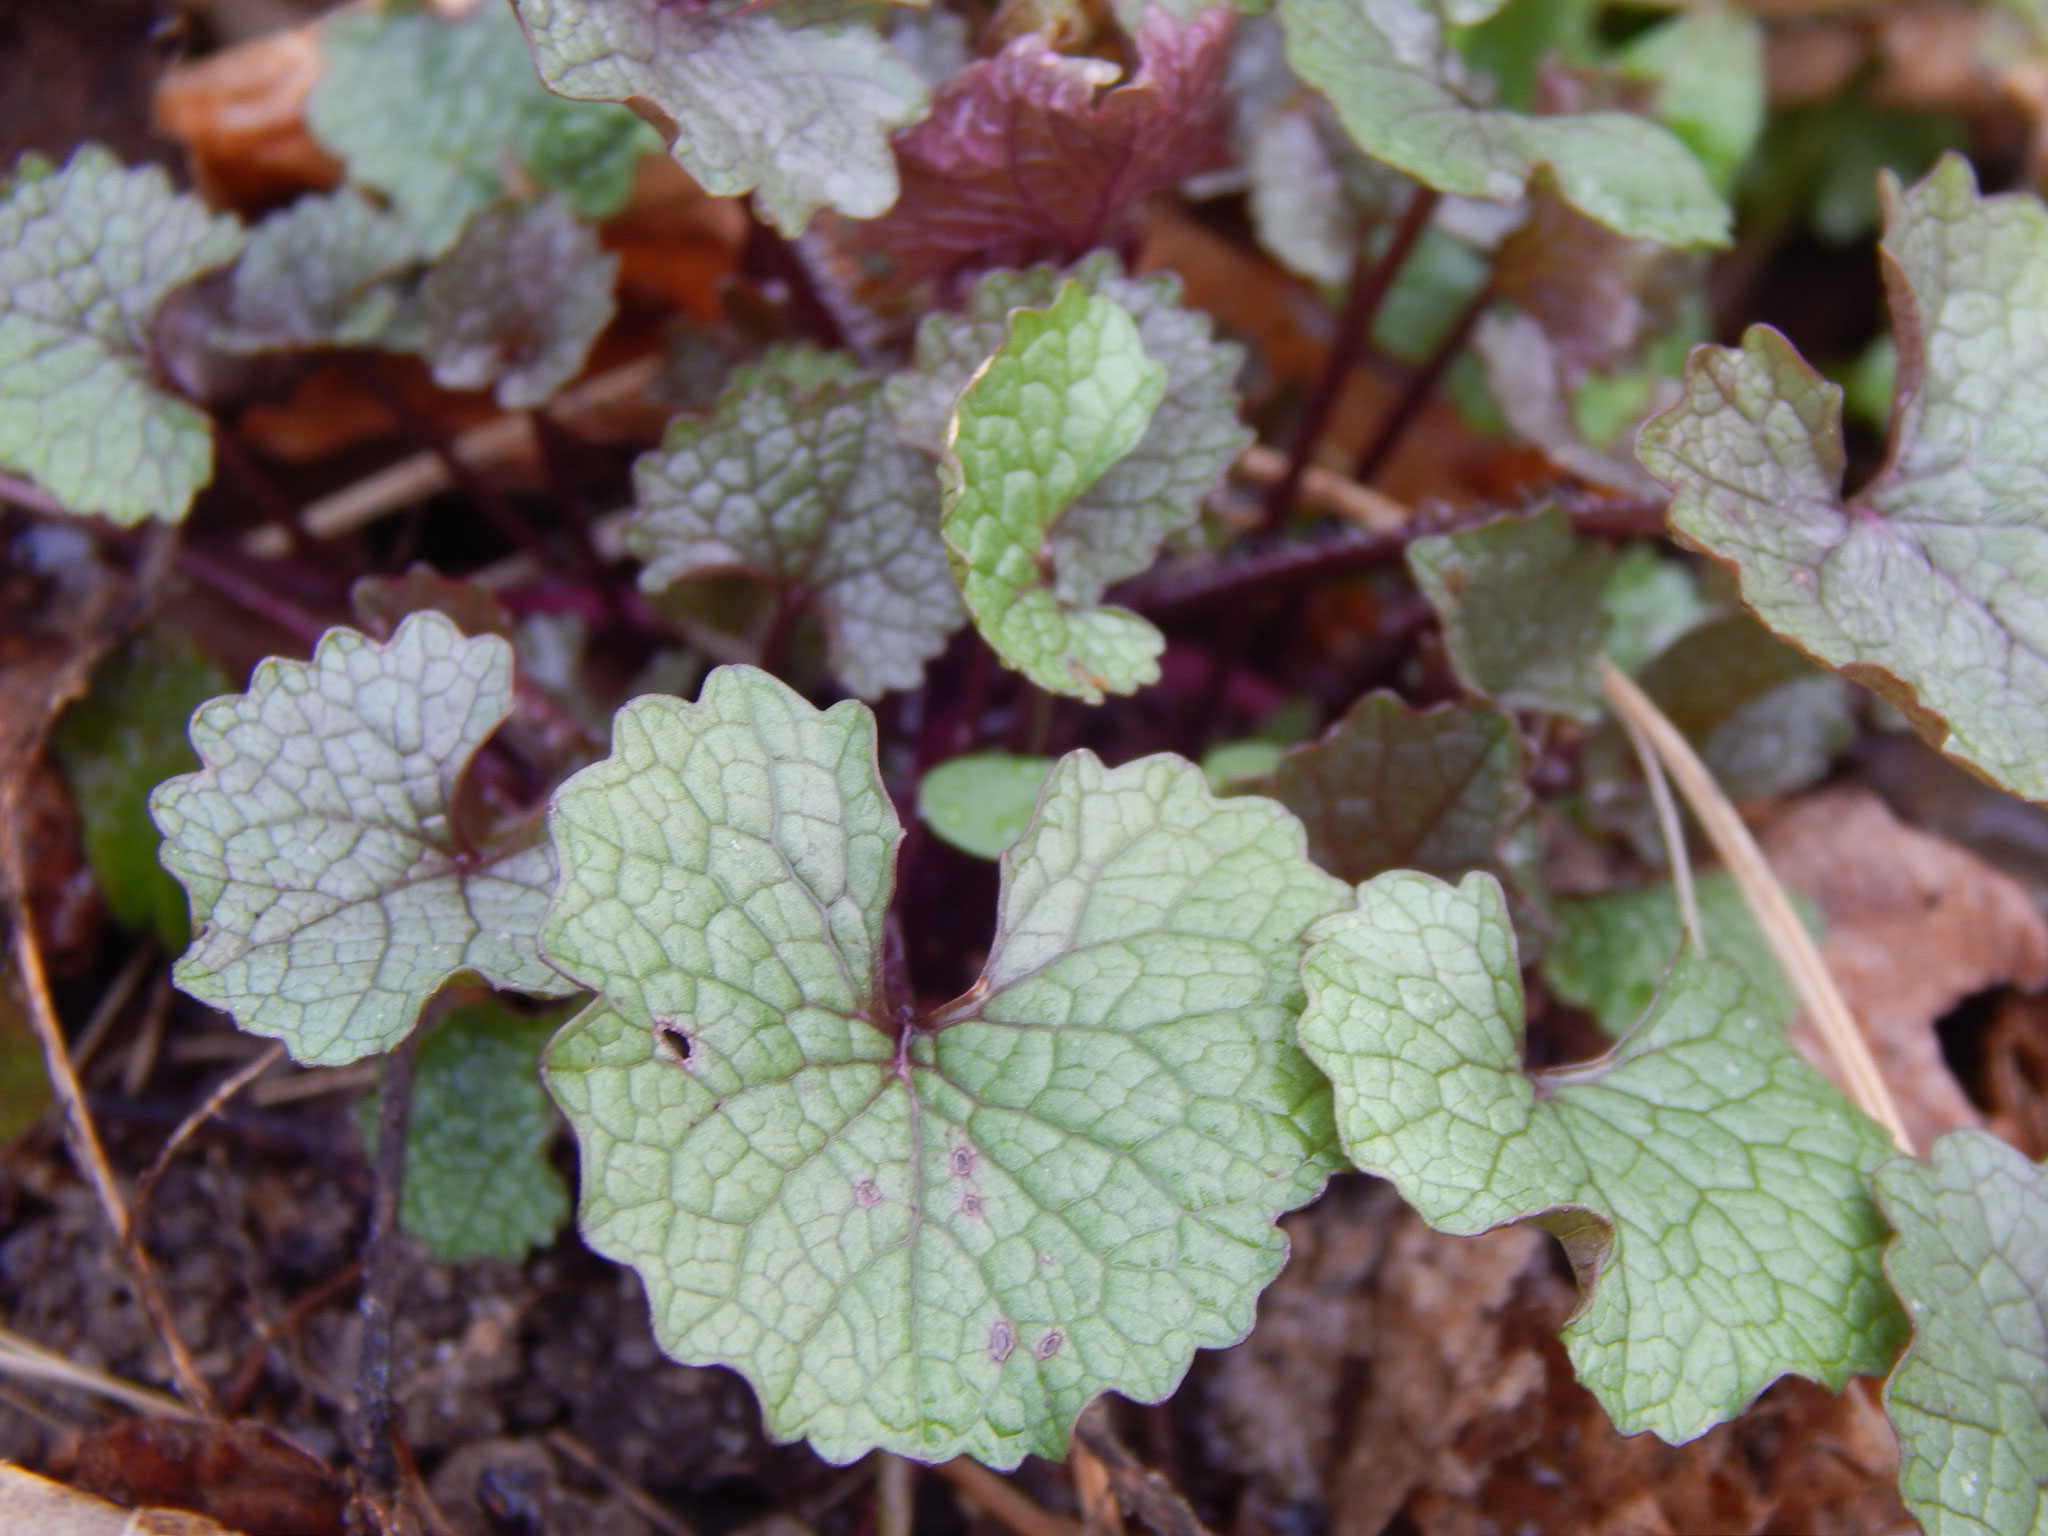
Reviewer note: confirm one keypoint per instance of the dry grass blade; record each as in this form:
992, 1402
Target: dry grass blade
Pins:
29, 1361
1672, 830
568, 1446
235, 1082
1788, 938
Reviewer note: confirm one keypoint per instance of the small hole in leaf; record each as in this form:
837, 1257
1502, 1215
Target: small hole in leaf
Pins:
673, 1043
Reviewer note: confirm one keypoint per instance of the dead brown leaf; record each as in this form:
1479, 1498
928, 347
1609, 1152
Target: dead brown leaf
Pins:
1914, 926
35, 1506
245, 1475
242, 114
1401, 1379
2016, 1074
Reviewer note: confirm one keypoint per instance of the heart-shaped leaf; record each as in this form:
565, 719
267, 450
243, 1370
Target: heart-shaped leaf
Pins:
942, 1235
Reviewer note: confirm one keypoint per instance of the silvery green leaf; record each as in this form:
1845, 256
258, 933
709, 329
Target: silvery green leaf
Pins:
517, 302
1970, 1398
798, 479
435, 112
1396, 86
1521, 603
87, 254
794, 104
1711, 1189
329, 271
329, 889
1931, 586
942, 1235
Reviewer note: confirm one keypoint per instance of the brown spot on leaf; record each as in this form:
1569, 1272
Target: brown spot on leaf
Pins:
1002, 1340
867, 1194
971, 1206
1048, 1346
962, 1161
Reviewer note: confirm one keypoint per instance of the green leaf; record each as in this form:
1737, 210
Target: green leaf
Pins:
588, 152
24, 1082
1707, 70
86, 255
478, 1183
326, 272
1528, 376
1114, 529
981, 803
1931, 585
1650, 601
1393, 788
1521, 604
1233, 765
1612, 953
431, 112
1403, 100
798, 479
318, 847
1711, 1189
794, 104
115, 746
1765, 719
1313, 195
1068, 393
942, 1236
517, 303
1970, 1398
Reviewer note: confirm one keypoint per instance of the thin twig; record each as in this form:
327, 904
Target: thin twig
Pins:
149, 1039
1003, 1500
895, 1495
314, 1083
235, 1082
1371, 280
1326, 490
31, 1362
1789, 940
112, 1002
484, 447
511, 523
251, 594
1144, 1494
82, 1137
243, 1383
1184, 588
375, 1408
31, 497
1421, 389
644, 1504
1672, 830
